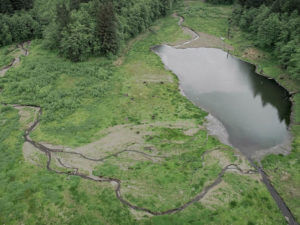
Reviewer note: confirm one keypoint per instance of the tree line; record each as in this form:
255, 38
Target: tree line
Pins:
79, 28
17, 24
275, 26
225, 2
9, 6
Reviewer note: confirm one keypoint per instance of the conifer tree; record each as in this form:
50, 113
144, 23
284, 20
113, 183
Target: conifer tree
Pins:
107, 28
62, 15
5, 6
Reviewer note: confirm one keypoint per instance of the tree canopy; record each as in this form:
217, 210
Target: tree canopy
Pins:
79, 28
273, 25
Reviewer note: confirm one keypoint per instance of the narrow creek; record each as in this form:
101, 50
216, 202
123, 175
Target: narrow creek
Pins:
246, 110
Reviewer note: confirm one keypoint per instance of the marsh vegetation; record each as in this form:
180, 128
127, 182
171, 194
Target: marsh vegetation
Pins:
118, 97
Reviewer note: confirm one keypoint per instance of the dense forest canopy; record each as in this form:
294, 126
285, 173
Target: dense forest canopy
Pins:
273, 25
9, 6
79, 28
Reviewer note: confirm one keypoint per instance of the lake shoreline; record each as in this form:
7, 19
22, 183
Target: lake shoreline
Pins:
186, 45
286, 212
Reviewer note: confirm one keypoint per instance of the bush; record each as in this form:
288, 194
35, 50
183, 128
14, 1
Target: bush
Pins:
275, 28
77, 42
226, 2
18, 28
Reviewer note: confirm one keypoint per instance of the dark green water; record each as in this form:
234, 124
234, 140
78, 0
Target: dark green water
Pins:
254, 110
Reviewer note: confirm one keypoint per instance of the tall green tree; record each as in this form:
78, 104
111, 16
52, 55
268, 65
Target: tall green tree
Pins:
74, 4
274, 25
62, 15
6, 6
77, 42
107, 28
269, 31
285, 52
294, 64
5, 35
21, 4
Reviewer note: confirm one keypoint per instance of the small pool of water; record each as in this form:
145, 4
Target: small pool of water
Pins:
254, 110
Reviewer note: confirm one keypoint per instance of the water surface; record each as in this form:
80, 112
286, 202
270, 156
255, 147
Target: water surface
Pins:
254, 110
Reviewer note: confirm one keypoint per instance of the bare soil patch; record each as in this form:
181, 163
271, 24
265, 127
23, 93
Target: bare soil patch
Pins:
208, 41
253, 54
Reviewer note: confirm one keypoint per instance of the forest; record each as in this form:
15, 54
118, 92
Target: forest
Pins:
79, 30
97, 27
274, 25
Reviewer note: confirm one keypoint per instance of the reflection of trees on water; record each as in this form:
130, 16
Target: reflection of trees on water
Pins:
270, 92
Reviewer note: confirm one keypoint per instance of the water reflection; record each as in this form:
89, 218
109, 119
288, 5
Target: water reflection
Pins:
271, 93
254, 110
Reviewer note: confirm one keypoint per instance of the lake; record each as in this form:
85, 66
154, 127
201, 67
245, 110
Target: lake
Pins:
254, 111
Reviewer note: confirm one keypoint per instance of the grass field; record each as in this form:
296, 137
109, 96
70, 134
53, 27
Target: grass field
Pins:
7, 54
80, 101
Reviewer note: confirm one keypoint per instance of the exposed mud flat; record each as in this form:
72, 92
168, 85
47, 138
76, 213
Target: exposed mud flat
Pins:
56, 162
115, 139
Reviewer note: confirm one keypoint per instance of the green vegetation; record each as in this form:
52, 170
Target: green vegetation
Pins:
80, 100
181, 173
274, 27
220, 1
6, 55
18, 27
283, 170
100, 28
9, 6
31, 195
211, 19
79, 28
